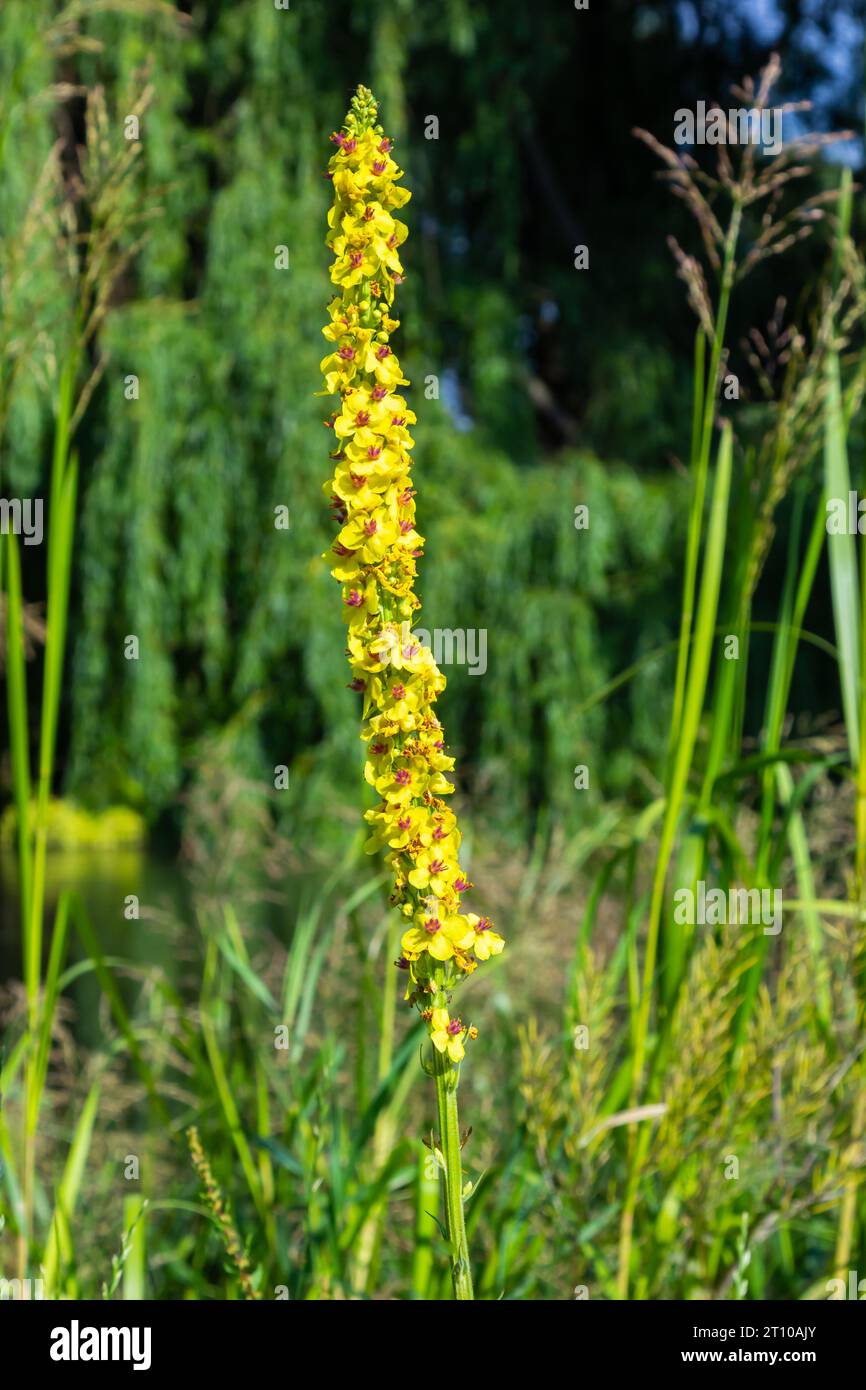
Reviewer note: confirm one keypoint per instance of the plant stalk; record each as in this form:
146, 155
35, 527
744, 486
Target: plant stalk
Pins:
447, 1078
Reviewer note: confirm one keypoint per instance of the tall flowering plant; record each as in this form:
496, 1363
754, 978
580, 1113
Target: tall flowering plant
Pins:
375, 561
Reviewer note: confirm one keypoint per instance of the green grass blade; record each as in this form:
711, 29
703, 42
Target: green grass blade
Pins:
16, 694
842, 554
59, 1249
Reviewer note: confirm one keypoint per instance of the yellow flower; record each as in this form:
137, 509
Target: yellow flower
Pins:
487, 943
379, 361
400, 784
398, 826
351, 184
360, 493
446, 1035
394, 647
431, 872
440, 939
354, 263
370, 534
361, 602
362, 409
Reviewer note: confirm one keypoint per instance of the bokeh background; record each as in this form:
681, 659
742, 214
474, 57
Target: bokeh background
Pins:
557, 387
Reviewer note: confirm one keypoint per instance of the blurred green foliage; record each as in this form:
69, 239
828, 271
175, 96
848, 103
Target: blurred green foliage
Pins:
542, 369
544, 374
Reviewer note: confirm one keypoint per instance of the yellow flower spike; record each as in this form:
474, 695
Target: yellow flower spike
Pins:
374, 558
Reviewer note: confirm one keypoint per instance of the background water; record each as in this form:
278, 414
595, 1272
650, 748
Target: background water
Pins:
103, 879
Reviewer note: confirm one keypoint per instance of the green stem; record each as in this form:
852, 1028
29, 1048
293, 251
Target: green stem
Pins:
702, 434
61, 518
447, 1078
